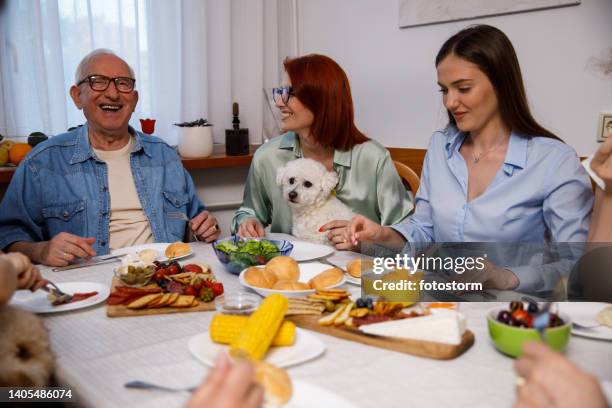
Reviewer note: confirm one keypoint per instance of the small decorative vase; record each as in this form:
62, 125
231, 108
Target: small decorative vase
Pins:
147, 126
195, 142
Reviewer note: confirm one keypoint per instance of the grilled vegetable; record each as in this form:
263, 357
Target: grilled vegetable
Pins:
261, 327
226, 328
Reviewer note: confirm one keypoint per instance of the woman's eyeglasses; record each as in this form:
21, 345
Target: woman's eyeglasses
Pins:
282, 94
100, 83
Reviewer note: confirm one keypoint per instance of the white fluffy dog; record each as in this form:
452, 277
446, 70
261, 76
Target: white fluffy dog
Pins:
307, 187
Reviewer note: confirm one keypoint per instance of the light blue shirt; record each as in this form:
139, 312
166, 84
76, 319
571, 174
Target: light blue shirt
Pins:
540, 193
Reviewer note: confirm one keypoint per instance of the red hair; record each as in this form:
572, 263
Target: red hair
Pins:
322, 87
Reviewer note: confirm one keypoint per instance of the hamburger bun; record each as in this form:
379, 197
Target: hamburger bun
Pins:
290, 285
259, 277
604, 317
284, 268
327, 278
356, 266
177, 249
275, 382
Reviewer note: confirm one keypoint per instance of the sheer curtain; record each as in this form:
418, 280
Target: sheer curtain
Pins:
192, 59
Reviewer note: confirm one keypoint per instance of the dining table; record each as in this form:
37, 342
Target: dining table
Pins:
96, 355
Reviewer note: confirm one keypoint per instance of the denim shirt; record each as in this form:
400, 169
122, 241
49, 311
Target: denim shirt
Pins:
61, 186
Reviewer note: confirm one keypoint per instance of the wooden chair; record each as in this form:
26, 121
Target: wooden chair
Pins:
409, 177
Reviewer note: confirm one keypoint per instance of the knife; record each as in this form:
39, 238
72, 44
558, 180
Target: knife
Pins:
96, 260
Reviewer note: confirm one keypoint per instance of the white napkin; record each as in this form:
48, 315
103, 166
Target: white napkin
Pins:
586, 163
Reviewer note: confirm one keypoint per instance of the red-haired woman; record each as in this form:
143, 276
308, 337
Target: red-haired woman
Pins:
317, 111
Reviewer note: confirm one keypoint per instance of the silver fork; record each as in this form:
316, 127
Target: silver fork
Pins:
61, 296
181, 216
541, 320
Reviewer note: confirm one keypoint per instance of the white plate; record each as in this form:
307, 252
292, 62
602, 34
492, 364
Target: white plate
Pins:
37, 302
307, 395
305, 348
303, 250
352, 279
307, 272
307, 251
584, 313
159, 247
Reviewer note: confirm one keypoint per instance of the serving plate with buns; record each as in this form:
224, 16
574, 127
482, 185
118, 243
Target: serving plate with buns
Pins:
285, 276
157, 251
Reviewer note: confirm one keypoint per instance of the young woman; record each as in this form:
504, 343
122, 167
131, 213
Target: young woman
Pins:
317, 110
494, 174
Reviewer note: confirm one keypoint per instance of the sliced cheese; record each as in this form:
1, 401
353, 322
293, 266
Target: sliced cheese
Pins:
447, 328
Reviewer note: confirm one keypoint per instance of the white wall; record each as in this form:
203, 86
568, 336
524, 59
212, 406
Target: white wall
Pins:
392, 70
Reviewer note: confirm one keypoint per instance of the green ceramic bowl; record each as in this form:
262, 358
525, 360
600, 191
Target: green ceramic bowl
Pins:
509, 339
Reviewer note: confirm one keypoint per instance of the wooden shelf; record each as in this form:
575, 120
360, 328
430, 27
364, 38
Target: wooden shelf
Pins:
6, 174
218, 160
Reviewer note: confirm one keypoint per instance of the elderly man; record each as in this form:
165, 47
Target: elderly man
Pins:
102, 186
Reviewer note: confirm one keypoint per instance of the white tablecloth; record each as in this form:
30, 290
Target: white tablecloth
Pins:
96, 355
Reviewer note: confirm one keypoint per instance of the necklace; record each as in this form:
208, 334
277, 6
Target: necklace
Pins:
480, 155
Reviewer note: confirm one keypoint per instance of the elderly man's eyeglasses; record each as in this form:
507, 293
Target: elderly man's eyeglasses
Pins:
282, 94
100, 83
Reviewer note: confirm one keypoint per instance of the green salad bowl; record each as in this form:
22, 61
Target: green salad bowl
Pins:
509, 339
236, 259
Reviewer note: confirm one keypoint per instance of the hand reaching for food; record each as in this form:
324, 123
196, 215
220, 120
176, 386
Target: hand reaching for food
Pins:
228, 386
251, 228
548, 379
17, 272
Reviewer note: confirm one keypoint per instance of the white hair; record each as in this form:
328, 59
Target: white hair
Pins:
81, 70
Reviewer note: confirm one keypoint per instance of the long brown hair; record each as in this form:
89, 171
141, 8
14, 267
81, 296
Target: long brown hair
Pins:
490, 49
323, 87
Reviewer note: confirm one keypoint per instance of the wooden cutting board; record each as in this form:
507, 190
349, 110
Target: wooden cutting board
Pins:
438, 351
123, 311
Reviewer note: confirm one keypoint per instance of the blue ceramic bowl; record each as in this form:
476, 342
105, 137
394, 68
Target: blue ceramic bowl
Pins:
235, 262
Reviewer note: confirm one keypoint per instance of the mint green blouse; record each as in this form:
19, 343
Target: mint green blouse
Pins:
368, 184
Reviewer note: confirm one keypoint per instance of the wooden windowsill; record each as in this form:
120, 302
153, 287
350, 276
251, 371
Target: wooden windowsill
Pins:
218, 160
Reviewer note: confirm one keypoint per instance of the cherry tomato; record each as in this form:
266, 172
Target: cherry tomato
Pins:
523, 316
190, 290
159, 275
217, 288
193, 268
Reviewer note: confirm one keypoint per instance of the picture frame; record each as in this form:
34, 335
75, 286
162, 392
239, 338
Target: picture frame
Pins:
604, 130
413, 13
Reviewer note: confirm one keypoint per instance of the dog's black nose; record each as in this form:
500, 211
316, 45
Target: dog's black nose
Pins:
292, 195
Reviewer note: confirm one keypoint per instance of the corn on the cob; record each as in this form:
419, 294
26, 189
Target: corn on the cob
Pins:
261, 327
226, 328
